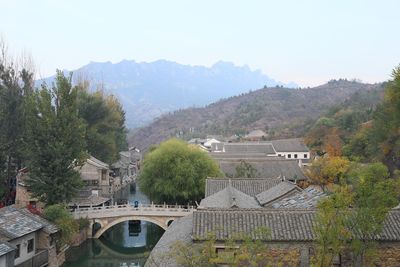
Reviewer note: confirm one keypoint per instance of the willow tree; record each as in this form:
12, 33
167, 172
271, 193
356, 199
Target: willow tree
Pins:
57, 142
175, 172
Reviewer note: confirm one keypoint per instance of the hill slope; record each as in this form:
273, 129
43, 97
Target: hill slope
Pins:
148, 90
282, 112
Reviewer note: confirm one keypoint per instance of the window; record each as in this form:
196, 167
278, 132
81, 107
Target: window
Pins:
289, 156
279, 155
305, 156
17, 251
295, 156
103, 174
31, 245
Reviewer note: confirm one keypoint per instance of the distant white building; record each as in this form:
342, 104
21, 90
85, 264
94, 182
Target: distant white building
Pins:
291, 149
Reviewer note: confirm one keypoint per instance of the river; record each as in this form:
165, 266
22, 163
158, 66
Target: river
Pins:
123, 245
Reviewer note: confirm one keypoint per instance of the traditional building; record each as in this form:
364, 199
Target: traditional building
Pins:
291, 149
32, 238
23, 197
271, 167
96, 176
7, 254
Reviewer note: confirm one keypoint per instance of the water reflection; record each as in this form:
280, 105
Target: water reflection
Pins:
121, 245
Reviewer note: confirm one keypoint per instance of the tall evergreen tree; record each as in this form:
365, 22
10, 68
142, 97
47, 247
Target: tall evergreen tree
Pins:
57, 142
15, 85
105, 124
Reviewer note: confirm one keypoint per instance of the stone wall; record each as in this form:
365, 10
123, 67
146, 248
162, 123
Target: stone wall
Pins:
388, 255
79, 237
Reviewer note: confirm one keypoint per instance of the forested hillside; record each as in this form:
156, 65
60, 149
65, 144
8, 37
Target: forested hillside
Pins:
281, 112
363, 129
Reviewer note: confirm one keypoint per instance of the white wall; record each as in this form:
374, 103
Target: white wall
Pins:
23, 252
300, 155
3, 260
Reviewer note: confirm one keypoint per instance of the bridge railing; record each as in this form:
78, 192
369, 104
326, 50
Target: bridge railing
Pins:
140, 207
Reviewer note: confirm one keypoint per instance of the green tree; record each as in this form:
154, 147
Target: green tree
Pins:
354, 213
375, 195
59, 215
57, 142
105, 124
331, 227
15, 85
175, 172
246, 170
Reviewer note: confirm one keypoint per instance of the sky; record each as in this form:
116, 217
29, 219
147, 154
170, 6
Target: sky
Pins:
308, 42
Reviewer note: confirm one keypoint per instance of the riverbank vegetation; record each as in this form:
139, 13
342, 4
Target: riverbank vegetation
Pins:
175, 172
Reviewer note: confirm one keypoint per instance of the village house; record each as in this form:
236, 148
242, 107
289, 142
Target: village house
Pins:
289, 149
96, 176
125, 169
28, 239
97, 191
233, 206
7, 254
23, 197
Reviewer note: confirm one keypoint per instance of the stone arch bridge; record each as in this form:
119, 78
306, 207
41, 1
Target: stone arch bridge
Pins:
106, 217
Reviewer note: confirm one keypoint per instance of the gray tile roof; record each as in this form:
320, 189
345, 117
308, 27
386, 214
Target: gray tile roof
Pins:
5, 248
249, 186
48, 227
96, 162
284, 225
229, 197
306, 199
221, 156
14, 223
226, 224
179, 230
249, 147
268, 168
284, 188
290, 145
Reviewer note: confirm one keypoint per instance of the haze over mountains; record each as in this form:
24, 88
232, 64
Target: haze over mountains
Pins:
148, 90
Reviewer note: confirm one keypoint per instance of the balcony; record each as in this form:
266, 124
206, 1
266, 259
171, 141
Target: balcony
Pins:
40, 259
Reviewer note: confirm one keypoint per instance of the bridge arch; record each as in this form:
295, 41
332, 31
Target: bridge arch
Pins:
107, 224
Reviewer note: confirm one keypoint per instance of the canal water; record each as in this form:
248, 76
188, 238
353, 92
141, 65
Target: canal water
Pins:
123, 245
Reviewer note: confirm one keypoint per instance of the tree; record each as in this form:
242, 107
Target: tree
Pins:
375, 195
328, 170
59, 215
353, 215
57, 142
245, 170
175, 173
331, 227
15, 85
105, 123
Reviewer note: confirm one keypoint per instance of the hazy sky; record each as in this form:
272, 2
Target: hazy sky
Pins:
308, 42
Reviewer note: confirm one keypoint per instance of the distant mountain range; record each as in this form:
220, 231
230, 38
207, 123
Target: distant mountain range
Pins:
148, 90
281, 112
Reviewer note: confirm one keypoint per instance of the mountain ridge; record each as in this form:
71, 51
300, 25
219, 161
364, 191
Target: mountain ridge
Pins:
149, 89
